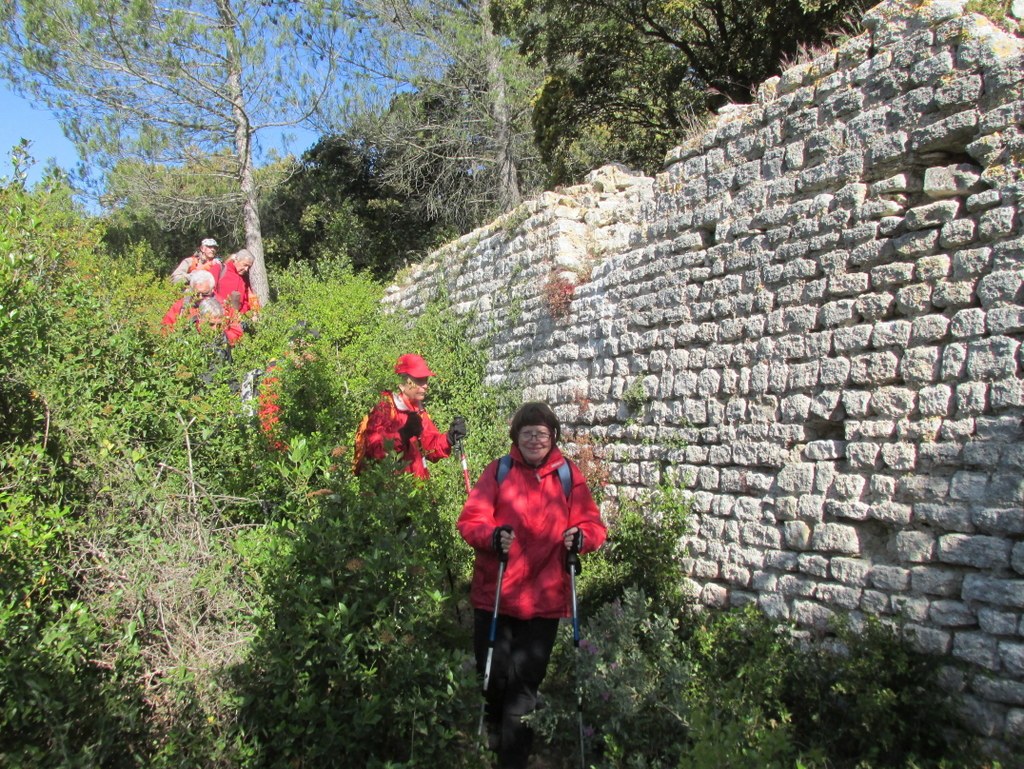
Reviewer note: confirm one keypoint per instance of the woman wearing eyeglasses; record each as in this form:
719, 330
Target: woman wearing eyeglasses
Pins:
534, 506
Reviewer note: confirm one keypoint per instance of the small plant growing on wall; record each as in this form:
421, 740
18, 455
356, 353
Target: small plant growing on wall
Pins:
558, 291
588, 456
634, 396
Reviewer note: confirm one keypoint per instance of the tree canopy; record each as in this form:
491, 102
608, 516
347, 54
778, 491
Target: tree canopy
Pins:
625, 77
188, 85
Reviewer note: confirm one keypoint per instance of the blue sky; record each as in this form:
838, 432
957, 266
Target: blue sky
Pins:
21, 120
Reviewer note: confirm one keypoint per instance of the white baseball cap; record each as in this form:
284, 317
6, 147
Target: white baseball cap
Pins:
209, 242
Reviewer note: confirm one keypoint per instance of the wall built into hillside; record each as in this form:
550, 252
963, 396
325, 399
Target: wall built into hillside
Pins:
816, 313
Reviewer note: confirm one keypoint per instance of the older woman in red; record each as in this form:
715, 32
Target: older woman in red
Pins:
533, 505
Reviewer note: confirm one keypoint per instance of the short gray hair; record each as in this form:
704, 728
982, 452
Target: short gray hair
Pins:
211, 308
201, 278
245, 255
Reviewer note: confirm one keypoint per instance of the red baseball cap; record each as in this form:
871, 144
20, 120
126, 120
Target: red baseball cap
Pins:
413, 365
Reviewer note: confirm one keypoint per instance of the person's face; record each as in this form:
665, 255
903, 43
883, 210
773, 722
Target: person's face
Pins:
202, 291
534, 443
243, 266
207, 252
414, 388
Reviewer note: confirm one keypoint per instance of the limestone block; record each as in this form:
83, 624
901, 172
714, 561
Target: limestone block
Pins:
1005, 320
891, 334
1011, 653
954, 294
916, 243
928, 329
912, 608
840, 596
947, 135
952, 614
1000, 287
935, 581
933, 268
993, 358
920, 365
994, 591
873, 307
1000, 690
977, 551
889, 578
932, 214
825, 450
890, 512
996, 223
1017, 558
995, 622
929, 640
984, 200
835, 538
875, 603
971, 398
875, 369
811, 614
915, 546
957, 233
850, 571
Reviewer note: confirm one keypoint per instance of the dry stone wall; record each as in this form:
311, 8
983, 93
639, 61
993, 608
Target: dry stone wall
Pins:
815, 315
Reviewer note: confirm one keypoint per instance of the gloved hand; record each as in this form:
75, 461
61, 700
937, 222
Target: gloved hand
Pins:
501, 539
573, 539
412, 428
457, 431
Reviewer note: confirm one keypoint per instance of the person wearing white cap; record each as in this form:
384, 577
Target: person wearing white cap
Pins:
204, 258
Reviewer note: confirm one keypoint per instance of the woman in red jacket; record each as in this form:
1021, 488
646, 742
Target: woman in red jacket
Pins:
400, 423
536, 513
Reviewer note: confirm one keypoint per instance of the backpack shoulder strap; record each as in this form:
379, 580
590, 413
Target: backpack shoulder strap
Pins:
564, 473
504, 465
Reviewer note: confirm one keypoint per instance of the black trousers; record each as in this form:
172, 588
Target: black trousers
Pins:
522, 649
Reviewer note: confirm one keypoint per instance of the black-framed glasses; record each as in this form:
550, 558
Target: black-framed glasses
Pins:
535, 436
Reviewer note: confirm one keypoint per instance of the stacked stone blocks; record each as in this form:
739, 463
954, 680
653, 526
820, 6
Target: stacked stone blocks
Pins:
821, 301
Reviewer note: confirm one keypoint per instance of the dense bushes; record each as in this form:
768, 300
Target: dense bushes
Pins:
179, 592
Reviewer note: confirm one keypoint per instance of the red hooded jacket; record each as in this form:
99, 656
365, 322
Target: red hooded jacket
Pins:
228, 281
533, 502
387, 418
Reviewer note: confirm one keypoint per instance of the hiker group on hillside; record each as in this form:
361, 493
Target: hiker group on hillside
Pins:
528, 517
217, 295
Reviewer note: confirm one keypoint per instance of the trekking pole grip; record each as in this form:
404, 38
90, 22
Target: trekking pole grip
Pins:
572, 562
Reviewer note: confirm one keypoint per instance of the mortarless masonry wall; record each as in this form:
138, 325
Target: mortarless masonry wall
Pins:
814, 313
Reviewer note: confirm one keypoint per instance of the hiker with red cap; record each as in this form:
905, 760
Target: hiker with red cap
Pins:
400, 423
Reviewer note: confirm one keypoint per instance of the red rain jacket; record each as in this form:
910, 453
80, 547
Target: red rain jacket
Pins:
387, 418
533, 502
229, 281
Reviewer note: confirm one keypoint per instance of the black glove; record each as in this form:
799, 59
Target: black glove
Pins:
496, 539
413, 427
577, 541
457, 431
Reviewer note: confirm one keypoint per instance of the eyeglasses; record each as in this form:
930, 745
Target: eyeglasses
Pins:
534, 436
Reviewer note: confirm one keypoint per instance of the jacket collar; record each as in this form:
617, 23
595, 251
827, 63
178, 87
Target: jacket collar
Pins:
402, 404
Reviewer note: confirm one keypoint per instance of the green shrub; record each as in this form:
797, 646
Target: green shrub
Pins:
359, 661
643, 551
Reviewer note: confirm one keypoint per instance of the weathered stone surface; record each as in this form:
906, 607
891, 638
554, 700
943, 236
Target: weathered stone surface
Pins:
823, 308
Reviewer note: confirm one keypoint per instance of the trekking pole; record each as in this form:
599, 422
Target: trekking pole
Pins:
492, 634
572, 565
465, 464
